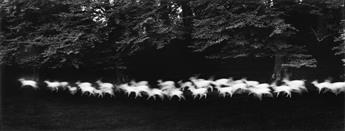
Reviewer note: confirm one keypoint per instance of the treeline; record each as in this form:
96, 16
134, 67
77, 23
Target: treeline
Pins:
155, 38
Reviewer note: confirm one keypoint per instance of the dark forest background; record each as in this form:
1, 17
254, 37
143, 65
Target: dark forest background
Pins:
172, 39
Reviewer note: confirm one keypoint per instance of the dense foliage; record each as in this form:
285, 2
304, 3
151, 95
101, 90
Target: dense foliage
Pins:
108, 34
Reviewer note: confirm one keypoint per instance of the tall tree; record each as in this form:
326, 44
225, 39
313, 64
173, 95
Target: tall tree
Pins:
49, 33
230, 29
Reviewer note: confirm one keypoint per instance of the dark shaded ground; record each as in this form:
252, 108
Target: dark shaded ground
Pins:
42, 110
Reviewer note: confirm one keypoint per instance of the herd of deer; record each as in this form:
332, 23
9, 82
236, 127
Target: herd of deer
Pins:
198, 88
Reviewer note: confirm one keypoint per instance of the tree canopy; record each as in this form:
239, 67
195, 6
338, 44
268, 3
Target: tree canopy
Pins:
106, 34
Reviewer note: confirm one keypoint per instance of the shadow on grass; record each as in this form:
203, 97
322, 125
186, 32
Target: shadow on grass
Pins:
57, 111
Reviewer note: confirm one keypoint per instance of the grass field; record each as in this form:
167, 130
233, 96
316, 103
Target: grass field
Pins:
42, 110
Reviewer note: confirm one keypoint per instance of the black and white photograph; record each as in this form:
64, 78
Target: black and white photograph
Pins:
172, 65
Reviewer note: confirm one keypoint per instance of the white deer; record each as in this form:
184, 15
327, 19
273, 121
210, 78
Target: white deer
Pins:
250, 83
143, 89
224, 91
261, 90
52, 85
238, 86
129, 89
201, 83
220, 82
163, 85
134, 83
98, 93
297, 86
337, 87
73, 90
86, 87
198, 92
106, 88
281, 89
153, 93
30, 83
173, 92
63, 85
323, 85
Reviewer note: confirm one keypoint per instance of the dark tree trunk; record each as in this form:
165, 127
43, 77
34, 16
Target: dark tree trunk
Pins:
1, 94
121, 76
36, 74
329, 64
165, 10
187, 15
278, 62
319, 42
